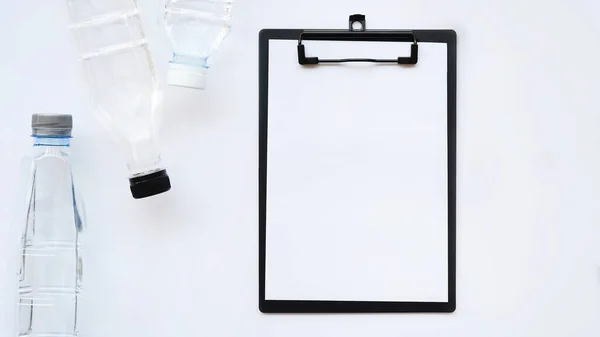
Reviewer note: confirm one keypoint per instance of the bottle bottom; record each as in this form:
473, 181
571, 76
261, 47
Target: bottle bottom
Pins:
147, 185
49, 286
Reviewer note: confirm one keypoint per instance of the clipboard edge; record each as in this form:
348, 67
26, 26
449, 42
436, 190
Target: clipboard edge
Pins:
448, 36
357, 307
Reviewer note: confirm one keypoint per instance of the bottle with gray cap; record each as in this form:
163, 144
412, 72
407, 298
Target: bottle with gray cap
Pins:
51, 266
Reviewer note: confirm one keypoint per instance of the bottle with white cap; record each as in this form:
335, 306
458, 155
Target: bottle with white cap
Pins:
196, 29
51, 267
123, 85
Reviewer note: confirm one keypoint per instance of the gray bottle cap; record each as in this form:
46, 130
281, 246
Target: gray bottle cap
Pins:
51, 125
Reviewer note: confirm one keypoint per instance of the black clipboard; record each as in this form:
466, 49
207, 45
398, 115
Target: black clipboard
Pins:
306, 59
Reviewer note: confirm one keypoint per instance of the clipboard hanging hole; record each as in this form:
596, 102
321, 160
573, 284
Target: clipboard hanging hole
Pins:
357, 23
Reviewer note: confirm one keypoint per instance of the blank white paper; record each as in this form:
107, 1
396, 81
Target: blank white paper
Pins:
357, 186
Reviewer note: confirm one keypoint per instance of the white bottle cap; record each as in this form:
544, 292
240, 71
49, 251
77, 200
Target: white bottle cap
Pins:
182, 75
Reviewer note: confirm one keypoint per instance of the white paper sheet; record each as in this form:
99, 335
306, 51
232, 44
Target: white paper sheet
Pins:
357, 188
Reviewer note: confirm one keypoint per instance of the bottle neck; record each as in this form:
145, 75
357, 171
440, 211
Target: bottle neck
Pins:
193, 61
61, 141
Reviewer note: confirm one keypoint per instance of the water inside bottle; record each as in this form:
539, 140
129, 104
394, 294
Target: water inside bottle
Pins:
50, 276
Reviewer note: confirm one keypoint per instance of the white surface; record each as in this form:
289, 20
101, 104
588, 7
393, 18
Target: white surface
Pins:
357, 185
185, 263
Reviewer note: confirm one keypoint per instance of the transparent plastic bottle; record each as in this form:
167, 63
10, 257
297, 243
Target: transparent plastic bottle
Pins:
50, 274
126, 93
196, 29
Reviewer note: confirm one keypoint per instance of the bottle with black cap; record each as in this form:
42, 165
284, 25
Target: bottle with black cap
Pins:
124, 88
51, 264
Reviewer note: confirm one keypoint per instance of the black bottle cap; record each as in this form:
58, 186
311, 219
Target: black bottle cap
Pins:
149, 184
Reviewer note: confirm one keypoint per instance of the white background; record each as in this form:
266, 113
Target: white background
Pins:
185, 263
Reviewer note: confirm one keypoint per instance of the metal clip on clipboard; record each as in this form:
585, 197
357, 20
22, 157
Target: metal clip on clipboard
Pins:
357, 32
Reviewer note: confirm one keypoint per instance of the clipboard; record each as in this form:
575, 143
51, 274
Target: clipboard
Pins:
357, 170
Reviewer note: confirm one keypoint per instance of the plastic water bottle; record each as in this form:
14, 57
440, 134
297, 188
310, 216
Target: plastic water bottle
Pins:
196, 29
126, 93
51, 265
